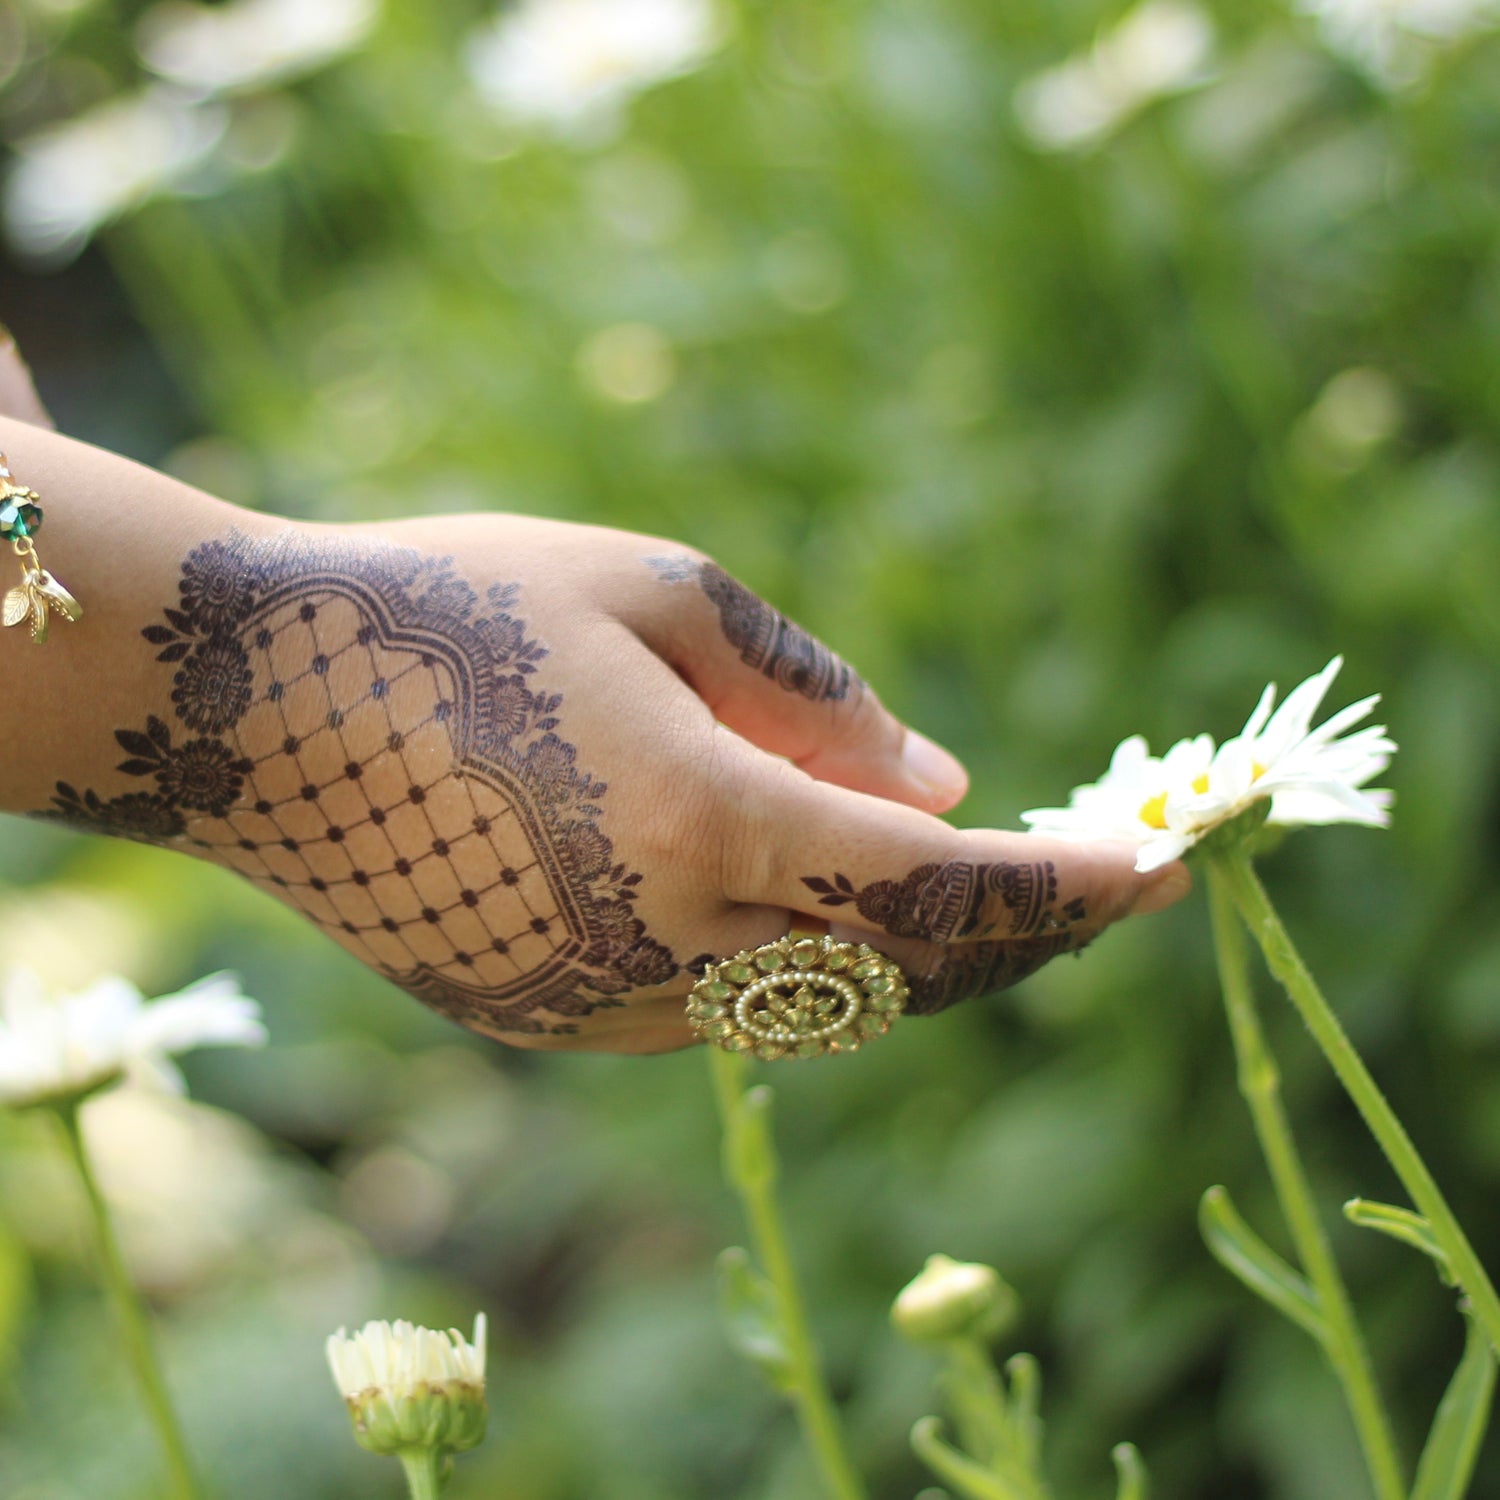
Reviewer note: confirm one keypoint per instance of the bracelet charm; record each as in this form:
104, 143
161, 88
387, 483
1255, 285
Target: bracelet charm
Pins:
39, 594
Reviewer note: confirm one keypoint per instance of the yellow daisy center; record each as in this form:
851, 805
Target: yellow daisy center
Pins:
1153, 811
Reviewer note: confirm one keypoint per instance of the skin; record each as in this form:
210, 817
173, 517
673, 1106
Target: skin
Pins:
612, 762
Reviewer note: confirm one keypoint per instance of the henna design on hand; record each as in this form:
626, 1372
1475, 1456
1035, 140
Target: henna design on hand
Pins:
970, 970
766, 640
367, 737
941, 903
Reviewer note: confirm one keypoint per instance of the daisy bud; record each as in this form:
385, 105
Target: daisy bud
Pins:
952, 1299
410, 1388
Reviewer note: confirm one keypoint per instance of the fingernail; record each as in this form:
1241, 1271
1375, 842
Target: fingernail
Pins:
937, 772
1163, 890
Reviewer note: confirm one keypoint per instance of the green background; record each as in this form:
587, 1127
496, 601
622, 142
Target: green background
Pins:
1055, 447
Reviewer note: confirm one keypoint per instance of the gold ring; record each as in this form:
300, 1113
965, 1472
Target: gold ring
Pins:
801, 996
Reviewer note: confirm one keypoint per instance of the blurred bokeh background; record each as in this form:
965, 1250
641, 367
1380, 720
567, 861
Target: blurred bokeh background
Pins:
1073, 370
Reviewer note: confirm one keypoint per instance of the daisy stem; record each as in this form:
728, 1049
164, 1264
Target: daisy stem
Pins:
1260, 1083
422, 1476
751, 1169
129, 1314
1286, 964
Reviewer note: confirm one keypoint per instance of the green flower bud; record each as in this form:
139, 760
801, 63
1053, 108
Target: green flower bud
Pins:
952, 1299
409, 1387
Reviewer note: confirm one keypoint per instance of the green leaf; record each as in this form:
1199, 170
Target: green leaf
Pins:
1401, 1224
1245, 1255
1025, 1406
752, 1318
1458, 1427
1131, 1469
959, 1472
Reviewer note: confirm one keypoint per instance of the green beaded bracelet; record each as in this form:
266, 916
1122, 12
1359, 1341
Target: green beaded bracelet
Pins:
38, 595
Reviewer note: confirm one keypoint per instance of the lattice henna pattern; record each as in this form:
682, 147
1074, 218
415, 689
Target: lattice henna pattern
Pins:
365, 736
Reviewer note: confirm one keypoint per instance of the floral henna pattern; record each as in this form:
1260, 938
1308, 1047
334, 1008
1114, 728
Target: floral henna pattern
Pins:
365, 735
200, 776
942, 903
143, 816
764, 637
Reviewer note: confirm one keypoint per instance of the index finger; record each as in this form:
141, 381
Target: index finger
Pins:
889, 869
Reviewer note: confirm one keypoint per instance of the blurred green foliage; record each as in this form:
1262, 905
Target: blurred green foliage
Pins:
1055, 446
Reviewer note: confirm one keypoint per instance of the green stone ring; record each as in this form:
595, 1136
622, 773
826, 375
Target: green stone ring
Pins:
801, 996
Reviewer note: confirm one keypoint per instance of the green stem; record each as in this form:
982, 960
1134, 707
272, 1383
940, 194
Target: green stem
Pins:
981, 1414
130, 1315
422, 1476
1286, 964
809, 1388
978, 1401
1260, 1083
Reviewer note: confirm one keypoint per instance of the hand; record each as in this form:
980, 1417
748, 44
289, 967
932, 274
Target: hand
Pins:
536, 773
18, 397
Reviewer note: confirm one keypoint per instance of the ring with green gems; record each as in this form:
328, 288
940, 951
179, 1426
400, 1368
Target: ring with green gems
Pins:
805, 995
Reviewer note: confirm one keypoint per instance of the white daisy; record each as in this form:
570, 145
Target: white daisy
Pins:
68, 179
410, 1387
1161, 47
567, 62
55, 1048
249, 44
1167, 804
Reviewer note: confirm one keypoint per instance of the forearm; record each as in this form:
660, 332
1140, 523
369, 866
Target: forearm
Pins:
115, 534
342, 718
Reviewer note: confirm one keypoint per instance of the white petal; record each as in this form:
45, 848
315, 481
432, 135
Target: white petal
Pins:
1290, 722
210, 1013
1162, 850
1257, 720
1332, 803
1337, 723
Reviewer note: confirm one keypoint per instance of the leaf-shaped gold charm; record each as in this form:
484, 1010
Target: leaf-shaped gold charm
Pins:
58, 597
17, 604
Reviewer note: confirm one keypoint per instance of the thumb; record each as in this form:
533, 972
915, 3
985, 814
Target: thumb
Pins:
782, 689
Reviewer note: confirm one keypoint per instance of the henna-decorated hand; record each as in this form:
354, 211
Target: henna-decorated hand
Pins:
533, 772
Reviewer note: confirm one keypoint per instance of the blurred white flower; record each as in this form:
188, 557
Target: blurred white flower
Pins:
248, 43
1167, 804
409, 1387
1159, 48
192, 1188
1392, 40
56, 1048
70, 179
569, 62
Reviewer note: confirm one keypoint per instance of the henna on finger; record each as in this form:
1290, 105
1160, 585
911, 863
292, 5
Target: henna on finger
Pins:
970, 970
944, 903
766, 640
365, 735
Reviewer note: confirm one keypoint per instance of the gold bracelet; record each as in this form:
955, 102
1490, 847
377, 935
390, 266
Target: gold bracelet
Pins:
38, 594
